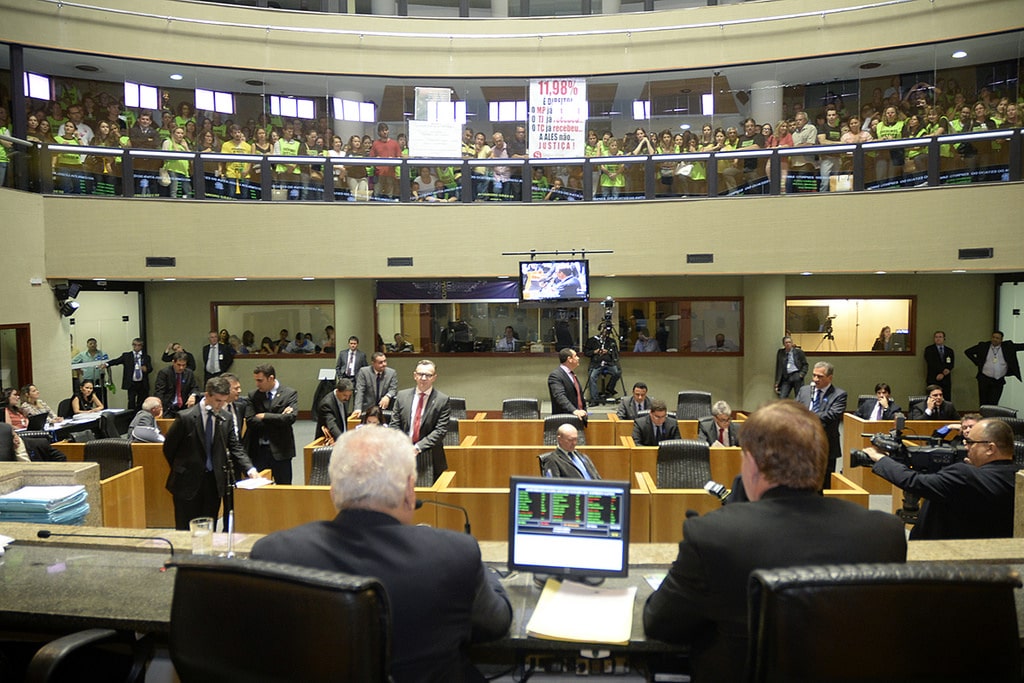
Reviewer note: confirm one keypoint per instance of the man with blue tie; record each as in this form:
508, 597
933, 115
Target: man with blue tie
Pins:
828, 402
197, 447
565, 461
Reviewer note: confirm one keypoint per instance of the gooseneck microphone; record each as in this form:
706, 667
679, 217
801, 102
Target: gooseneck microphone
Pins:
46, 533
465, 512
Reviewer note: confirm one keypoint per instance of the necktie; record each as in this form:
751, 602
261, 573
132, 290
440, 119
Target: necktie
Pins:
816, 402
577, 461
137, 373
579, 396
419, 416
380, 378
212, 366
209, 440
177, 389
721, 436
657, 433
351, 362
876, 414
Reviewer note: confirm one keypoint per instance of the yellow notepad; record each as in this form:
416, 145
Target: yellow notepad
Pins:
574, 612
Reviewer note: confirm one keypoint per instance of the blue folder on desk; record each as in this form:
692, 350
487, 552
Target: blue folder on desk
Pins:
45, 505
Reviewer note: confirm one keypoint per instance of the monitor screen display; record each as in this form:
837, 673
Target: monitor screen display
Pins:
554, 283
569, 527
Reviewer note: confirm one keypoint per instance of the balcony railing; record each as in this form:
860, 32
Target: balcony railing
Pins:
988, 156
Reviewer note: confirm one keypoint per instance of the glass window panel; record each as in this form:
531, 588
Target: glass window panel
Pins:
852, 325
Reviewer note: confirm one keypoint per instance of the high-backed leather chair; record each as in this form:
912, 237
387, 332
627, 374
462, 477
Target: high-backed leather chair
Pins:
457, 407
875, 623
997, 411
253, 621
318, 473
520, 409
862, 399
113, 455
553, 422
693, 405
451, 437
1016, 424
683, 464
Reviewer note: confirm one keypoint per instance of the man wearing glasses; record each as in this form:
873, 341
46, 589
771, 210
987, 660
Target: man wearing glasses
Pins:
969, 499
423, 413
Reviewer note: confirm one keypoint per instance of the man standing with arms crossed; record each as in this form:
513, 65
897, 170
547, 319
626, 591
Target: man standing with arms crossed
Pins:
269, 417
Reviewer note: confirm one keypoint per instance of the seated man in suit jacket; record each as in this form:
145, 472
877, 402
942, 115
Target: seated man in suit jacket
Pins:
143, 427
719, 428
443, 598
935, 407
565, 461
631, 405
656, 426
331, 416
423, 414
703, 599
882, 408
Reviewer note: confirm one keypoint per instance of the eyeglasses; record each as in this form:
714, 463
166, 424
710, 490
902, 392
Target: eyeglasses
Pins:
423, 375
971, 442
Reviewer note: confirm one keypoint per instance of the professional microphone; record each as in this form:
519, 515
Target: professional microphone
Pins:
46, 533
465, 512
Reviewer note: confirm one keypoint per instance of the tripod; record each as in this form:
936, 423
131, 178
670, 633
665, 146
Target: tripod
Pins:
827, 337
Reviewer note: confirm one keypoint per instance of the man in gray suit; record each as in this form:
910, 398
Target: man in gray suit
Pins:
143, 427
828, 402
376, 385
719, 428
629, 406
423, 414
790, 368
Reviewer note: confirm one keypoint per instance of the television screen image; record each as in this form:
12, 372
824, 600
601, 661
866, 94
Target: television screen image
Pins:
572, 528
554, 282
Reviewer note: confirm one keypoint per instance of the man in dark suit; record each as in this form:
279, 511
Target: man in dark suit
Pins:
972, 498
790, 368
235, 407
828, 402
217, 357
719, 428
703, 599
656, 426
351, 360
442, 596
935, 407
176, 386
939, 362
423, 414
197, 448
996, 360
882, 408
376, 385
630, 405
135, 378
565, 389
269, 416
565, 462
331, 414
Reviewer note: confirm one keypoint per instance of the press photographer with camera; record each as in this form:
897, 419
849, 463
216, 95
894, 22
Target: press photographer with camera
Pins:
603, 351
968, 499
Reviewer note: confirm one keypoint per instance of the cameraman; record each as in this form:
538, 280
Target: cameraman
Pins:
603, 351
969, 499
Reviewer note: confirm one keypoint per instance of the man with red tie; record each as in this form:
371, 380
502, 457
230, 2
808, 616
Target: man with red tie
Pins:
423, 414
176, 386
565, 389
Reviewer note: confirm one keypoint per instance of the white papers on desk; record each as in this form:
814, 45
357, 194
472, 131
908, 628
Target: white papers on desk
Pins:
571, 611
252, 483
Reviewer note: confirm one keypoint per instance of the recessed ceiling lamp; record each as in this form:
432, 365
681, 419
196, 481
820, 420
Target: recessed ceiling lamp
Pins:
684, 126
868, 66
88, 68
959, 54
176, 77
255, 82
807, 272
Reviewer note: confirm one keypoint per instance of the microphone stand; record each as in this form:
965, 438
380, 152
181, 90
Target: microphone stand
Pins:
229, 493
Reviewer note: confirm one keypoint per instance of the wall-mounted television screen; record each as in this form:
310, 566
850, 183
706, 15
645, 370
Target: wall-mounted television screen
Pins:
554, 283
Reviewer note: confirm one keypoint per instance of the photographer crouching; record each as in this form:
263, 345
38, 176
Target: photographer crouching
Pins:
968, 499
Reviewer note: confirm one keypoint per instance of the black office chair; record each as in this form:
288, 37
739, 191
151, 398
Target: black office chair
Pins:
693, 405
553, 422
321, 459
64, 409
683, 464
876, 623
451, 437
105, 654
424, 469
327, 626
113, 455
862, 399
916, 401
520, 409
997, 411
1016, 424
457, 407
1018, 452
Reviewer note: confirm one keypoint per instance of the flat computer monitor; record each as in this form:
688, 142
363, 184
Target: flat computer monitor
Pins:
569, 528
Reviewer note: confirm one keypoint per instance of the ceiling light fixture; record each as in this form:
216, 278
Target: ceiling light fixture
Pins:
959, 54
